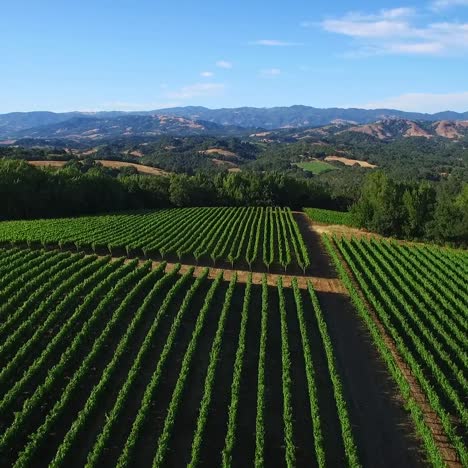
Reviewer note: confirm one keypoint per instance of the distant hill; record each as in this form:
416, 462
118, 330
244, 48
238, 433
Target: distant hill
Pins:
385, 130
301, 116
14, 122
16, 125
97, 128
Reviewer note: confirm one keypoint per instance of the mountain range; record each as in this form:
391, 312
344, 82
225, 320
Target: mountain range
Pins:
183, 121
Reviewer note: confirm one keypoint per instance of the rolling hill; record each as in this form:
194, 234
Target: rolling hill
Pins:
95, 128
383, 130
50, 124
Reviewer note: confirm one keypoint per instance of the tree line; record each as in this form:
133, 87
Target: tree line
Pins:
28, 192
414, 210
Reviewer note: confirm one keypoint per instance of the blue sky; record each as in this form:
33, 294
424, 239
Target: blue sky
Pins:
147, 54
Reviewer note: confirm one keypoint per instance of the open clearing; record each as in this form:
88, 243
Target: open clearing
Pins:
350, 162
316, 167
106, 163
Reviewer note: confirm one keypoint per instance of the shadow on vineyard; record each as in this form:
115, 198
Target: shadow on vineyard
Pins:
384, 433
321, 265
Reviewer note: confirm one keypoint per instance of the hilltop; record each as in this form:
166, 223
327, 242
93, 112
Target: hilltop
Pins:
197, 120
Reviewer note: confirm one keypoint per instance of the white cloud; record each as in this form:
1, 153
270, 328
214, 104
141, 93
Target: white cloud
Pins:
423, 102
275, 43
383, 15
197, 90
224, 64
270, 72
354, 28
206, 74
438, 5
398, 31
416, 48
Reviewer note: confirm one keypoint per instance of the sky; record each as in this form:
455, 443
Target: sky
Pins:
92, 55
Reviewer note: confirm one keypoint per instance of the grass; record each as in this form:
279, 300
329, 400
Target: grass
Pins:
316, 167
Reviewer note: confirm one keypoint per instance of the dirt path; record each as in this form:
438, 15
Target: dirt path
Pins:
331, 229
321, 284
382, 428
330, 285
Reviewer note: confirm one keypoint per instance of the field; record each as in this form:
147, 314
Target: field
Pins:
238, 371
114, 354
420, 296
350, 162
246, 237
107, 163
316, 167
331, 217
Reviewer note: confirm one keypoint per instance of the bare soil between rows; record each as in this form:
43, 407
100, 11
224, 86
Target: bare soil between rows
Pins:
382, 428
446, 449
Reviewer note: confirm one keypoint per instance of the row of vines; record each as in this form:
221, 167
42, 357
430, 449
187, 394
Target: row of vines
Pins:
420, 296
246, 236
106, 362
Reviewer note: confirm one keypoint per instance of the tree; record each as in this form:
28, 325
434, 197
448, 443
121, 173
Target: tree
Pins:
379, 208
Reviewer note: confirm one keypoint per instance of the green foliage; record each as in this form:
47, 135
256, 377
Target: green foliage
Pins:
162, 444
286, 381
237, 379
216, 233
311, 378
331, 217
414, 210
316, 167
343, 414
413, 407
260, 416
379, 276
30, 192
210, 375
379, 208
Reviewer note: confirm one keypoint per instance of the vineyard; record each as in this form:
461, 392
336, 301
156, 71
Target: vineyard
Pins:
107, 362
242, 237
110, 360
331, 217
420, 295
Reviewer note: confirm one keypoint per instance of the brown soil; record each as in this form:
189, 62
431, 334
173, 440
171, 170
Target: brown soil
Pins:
139, 167
375, 130
113, 164
220, 162
47, 163
449, 129
415, 130
382, 428
340, 230
332, 285
89, 152
222, 152
350, 162
322, 284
